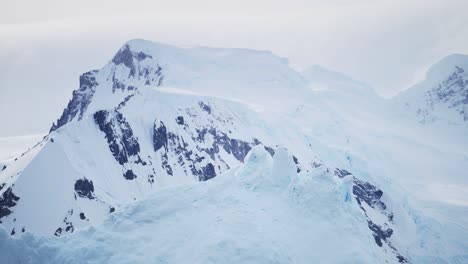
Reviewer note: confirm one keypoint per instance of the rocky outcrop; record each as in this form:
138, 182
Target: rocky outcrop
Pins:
81, 99
8, 200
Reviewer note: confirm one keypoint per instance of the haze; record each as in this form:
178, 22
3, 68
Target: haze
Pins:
46, 45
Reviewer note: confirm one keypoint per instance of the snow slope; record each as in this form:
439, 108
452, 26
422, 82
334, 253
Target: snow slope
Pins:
157, 119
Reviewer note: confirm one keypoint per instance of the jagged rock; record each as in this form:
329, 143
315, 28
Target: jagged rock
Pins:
180, 120
159, 136
84, 188
80, 100
208, 172
119, 135
7, 201
129, 175
366, 192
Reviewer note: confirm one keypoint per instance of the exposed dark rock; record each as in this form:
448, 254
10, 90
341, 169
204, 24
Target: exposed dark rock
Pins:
124, 102
270, 150
165, 165
296, 161
238, 148
68, 225
151, 178
141, 56
380, 234
69, 228
119, 135
84, 188
111, 210
180, 120
368, 193
80, 100
58, 232
316, 164
82, 216
124, 56
342, 173
117, 85
205, 107
4, 167
208, 172
7, 201
159, 136
365, 192
13, 232
452, 92
390, 217
401, 259
129, 175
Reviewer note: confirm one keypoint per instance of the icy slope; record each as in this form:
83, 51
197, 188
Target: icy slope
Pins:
265, 213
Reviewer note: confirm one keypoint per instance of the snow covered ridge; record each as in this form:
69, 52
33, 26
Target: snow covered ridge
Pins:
444, 93
156, 117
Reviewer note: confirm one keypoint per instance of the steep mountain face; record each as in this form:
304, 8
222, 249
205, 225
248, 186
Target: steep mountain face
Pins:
443, 96
157, 117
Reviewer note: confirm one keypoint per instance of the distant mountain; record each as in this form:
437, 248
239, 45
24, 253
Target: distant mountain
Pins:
159, 118
443, 95
320, 78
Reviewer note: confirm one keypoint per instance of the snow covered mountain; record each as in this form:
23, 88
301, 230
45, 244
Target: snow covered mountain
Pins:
138, 135
319, 78
443, 96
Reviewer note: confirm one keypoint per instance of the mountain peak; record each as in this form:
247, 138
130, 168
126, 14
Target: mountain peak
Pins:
443, 95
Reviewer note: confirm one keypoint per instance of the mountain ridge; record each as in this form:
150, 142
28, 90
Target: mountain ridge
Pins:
129, 132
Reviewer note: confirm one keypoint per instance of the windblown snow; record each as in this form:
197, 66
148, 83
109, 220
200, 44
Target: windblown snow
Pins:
211, 155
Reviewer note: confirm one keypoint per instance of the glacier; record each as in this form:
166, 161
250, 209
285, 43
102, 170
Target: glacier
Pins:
243, 215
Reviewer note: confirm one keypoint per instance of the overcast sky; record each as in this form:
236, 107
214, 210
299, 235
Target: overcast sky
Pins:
45, 45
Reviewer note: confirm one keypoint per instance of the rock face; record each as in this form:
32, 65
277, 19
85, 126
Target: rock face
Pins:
127, 71
8, 200
369, 199
80, 101
122, 143
84, 188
